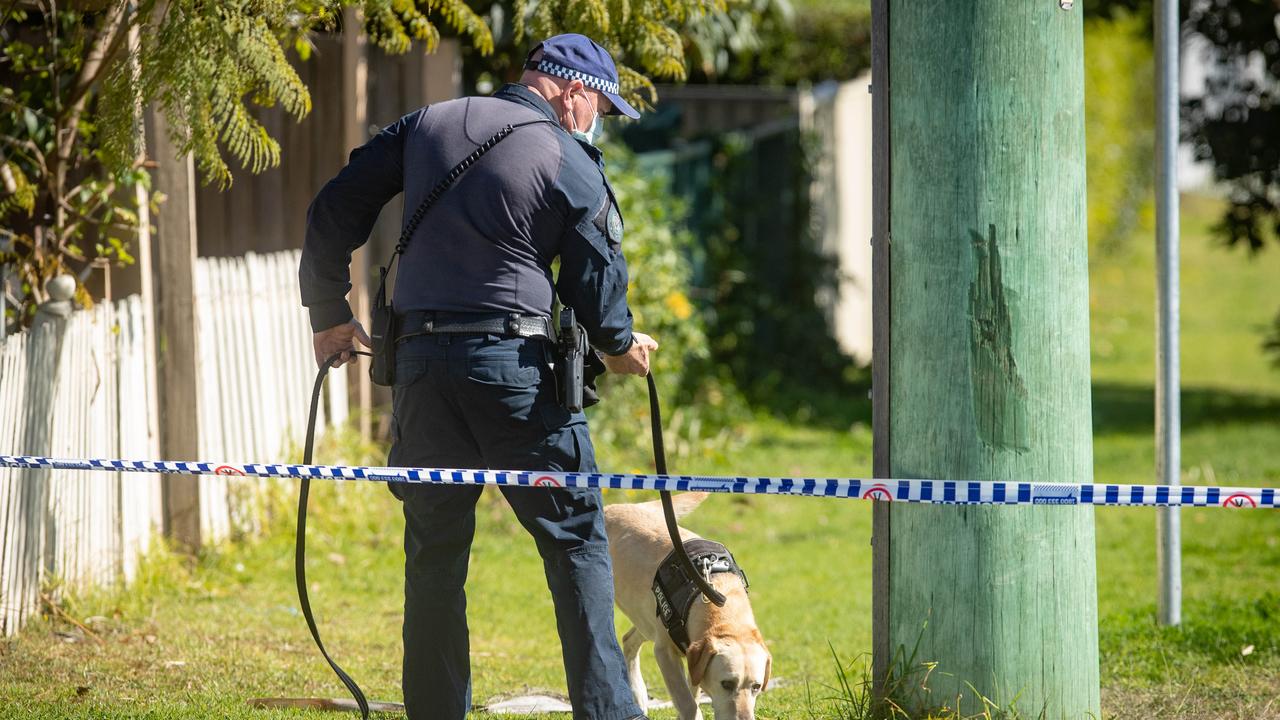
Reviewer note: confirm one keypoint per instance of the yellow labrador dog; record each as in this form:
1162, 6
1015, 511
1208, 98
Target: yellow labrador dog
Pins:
726, 654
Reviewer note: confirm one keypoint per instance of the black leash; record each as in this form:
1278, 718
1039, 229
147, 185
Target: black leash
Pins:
668, 511
304, 491
300, 548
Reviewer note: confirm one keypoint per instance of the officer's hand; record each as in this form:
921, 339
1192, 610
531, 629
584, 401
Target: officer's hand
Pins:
339, 338
635, 361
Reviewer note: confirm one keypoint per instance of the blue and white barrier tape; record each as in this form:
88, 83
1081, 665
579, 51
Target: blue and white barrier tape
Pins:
947, 492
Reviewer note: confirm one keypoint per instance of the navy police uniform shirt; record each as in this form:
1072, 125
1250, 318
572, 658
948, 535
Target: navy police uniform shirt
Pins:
488, 243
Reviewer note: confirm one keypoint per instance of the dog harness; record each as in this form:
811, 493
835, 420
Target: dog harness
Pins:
675, 591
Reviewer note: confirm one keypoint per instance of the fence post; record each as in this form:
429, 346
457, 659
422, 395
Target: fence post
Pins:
6, 247
31, 540
175, 325
987, 316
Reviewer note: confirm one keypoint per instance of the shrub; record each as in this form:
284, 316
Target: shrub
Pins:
699, 406
1119, 120
813, 42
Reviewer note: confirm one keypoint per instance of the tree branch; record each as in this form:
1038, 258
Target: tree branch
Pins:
105, 47
67, 121
32, 153
87, 210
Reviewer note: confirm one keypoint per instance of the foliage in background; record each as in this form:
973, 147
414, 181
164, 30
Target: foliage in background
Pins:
1119, 126
644, 37
813, 42
731, 41
57, 202
1236, 125
76, 81
730, 32
1271, 344
75, 84
700, 407
759, 270
651, 40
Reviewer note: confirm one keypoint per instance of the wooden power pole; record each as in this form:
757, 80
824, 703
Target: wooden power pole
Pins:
174, 267
355, 132
981, 366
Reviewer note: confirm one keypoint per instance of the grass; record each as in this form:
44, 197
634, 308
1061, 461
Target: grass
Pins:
1231, 432
231, 618
197, 638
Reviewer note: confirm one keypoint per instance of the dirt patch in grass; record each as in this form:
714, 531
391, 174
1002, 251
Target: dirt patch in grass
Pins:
1194, 702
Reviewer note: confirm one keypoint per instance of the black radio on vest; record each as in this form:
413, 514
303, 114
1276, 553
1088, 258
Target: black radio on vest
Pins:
382, 334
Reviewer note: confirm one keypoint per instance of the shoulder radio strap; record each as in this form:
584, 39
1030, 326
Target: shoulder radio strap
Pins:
447, 182
382, 315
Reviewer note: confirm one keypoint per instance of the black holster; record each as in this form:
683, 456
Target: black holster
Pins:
382, 369
577, 364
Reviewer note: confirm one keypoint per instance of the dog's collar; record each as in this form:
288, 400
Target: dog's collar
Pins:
675, 592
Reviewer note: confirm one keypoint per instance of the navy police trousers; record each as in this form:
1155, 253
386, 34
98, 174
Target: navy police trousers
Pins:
481, 401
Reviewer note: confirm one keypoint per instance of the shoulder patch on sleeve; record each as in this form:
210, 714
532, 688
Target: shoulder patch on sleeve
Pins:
608, 222
614, 225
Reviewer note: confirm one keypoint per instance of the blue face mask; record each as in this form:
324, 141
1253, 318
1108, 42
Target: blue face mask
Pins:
589, 137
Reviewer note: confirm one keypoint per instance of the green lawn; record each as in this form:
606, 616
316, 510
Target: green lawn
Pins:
197, 641
1231, 434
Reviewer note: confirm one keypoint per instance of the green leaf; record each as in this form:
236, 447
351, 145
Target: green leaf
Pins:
31, 121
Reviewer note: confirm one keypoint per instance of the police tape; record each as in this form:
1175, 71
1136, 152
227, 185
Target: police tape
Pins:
937, 492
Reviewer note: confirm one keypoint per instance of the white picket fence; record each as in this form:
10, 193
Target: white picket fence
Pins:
76, 393
256, 370
84, 387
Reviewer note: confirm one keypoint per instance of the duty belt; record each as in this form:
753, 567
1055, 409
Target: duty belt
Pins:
675, 591
420, 322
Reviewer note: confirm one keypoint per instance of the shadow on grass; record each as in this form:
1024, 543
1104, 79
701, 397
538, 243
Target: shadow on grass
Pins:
1120, 408
835, 406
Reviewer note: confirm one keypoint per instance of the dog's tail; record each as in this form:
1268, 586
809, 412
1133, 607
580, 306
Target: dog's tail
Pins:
686, 502
682, 502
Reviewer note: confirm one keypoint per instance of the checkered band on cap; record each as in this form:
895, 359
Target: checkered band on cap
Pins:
591, 81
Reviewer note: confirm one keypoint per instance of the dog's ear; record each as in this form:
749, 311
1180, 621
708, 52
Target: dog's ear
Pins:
768, 670
699, 656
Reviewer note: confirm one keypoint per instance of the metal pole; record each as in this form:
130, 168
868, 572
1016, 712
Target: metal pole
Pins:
1168, 405
881, 648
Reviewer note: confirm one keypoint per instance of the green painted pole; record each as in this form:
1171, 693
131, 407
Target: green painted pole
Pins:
982, 265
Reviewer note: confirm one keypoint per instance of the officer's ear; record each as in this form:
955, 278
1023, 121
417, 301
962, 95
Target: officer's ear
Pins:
571, 90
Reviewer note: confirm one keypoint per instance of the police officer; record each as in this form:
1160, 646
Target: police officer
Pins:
473, 385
